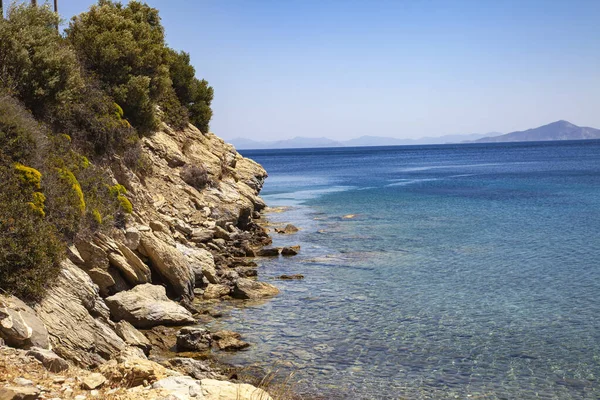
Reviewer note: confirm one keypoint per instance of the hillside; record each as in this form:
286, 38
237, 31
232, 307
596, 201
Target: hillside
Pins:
559, 130
122, 218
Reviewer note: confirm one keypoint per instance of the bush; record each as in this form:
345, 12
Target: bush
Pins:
124, 47
193, 94
18, 130
36, 63
195, 176
30, 247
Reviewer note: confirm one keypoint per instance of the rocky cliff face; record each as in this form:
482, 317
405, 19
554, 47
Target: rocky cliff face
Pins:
180, 242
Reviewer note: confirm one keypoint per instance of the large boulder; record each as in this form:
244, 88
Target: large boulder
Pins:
224, 390
146, 306
20, 326
245, 288
78, 319
170, 264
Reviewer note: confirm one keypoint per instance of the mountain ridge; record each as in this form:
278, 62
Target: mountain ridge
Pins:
558, 130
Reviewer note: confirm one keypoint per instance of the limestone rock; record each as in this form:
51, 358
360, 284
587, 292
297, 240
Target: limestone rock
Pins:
171, 264
20, 326
134, 372
202, 263
290, 251
229, 341
19, 393
195, 368
78, 319
287, 230
269, 252
181, 387
147, 305
248, 289
213, 291
193, 339
224, 390
50, 360
132, 336
93, 381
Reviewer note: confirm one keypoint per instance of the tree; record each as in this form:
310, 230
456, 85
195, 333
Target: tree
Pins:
124, 47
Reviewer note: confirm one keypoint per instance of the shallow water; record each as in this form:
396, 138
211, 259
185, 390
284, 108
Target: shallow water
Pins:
465, 271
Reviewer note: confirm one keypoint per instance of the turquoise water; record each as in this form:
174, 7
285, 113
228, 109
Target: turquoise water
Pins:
467, 271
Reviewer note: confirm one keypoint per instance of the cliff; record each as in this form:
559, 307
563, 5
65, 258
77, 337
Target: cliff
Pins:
180, 244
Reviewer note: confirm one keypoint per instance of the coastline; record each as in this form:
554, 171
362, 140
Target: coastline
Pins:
113, 308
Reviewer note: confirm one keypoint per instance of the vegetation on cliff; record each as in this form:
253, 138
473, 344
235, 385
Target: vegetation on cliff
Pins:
70, 105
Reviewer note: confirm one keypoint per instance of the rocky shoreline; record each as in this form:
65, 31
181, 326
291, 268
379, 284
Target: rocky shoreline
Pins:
124, 318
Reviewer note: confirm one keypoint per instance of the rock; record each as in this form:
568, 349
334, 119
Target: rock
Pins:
96, 264
288, 230
182, 387
132, 238
50, 360
23, 382
290, 251
193, 339
223, 390
158, 226
269, 252
20, 326
132, 336
19, 393
134, 372
291, 277
93, 381
229, 341
78, 319
124, 260
201, 235
195, 368
202, 263
170, 264
147, 305
221, 233
245, 288
215, 291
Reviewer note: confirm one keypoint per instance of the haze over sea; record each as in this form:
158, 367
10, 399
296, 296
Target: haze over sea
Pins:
465, 270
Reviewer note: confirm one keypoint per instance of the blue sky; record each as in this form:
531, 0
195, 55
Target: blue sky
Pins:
405, 68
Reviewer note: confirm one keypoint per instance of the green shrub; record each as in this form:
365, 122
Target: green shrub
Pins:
68, 177
37, 205
195, 176
29, 176
30, 247
193, 94
36, 63
18, 130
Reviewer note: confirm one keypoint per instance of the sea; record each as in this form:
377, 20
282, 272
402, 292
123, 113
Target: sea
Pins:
466, 271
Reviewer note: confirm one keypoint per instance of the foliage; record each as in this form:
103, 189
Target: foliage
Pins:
194, 94
18, 130
29, 176
30, 247
36, 63
195, 176
37, 205
124, 47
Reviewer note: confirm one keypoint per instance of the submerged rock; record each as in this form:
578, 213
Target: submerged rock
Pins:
146, 306
269, 252
290, 251
248, 289
291, 277
229, 341
288, 230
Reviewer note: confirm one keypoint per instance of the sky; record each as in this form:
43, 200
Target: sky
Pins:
403, 68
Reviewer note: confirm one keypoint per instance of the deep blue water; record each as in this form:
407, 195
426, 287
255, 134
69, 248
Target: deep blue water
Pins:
467, 271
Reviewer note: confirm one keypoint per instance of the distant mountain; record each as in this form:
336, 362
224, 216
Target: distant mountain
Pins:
304, 142
559, 130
